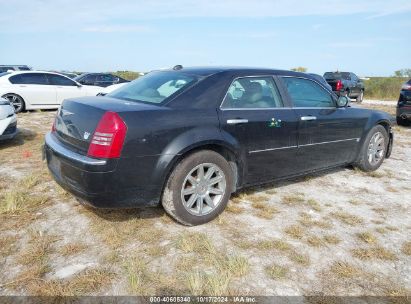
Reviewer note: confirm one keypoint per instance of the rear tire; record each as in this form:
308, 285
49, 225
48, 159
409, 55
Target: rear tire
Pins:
403, 122
360, 97
374, 149
16, 101
199, 188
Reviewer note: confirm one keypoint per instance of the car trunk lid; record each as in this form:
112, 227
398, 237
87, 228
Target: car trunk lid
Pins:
78, 118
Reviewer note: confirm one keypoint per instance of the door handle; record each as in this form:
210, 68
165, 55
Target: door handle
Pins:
236, 121
308, 118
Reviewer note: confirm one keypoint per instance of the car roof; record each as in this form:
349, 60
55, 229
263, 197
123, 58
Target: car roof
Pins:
13, 73
241, 71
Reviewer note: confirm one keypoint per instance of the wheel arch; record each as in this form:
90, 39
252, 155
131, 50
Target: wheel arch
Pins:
25, 106
167, 163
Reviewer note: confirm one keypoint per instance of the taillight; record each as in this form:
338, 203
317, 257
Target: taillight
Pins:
108, 138
339, 85
53, 127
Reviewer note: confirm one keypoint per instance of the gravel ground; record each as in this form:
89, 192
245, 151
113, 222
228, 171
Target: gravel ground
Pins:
342, 232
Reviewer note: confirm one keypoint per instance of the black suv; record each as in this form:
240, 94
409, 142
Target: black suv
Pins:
404, 105
99, 79
346, 84
190, 137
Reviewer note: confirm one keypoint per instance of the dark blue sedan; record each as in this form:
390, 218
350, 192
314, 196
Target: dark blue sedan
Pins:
189, 137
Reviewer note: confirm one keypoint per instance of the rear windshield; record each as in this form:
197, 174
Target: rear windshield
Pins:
336, 75
154, 87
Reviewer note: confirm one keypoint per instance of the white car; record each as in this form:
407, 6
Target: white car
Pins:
8, 120
30, 90
109, 89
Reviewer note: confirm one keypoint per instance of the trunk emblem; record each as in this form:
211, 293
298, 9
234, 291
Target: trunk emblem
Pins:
86, 135
66, 113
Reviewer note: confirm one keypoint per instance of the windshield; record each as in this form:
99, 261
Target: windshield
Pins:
342, 75
154, 87
4, 74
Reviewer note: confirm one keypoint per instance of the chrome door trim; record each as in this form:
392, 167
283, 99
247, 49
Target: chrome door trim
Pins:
313, 144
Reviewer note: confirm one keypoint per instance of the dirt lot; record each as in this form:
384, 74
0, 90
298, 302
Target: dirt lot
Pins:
339, 233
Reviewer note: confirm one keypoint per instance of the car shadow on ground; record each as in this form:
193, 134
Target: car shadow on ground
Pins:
127, 214
122, 215
21, 138
289, 181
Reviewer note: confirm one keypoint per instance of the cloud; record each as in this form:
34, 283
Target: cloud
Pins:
63, 15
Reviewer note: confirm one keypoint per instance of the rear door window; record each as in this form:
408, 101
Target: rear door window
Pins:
307, 94
252, 92
29, 78
60, 80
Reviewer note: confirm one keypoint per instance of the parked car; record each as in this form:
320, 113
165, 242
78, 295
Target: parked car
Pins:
6, 68
404, 105
190, 137
109, 89
29, 90
8, 120
99, 79
322, 80
346, 84
67, 74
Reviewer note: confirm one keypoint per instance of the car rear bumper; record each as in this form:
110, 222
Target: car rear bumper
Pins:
10, 131
97, 182
404, 110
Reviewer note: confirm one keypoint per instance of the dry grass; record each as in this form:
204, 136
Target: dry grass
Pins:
264, 210
315, 241
72, 249
293, 199
344, 270
273, 244
7, 245
406, 248
301, 259
276, 272
347, 218
381, 230
234, 208
331, 239
20, 200
295, 231
367, 237
314, 205
307, 221
354, 202
194, 242
89, 282
376, 252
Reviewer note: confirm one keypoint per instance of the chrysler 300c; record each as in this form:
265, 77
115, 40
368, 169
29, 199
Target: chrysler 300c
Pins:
189, 137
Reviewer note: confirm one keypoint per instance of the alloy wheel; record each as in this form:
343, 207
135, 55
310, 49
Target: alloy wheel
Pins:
15, 101
376, 148
203, 189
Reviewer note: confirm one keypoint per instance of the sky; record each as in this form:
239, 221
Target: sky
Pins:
368, 37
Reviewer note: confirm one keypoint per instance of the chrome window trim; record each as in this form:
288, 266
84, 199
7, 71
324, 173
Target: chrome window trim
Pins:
252, 76
282, 108
59, 149
305, 145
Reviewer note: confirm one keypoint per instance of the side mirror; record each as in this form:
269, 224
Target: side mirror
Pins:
342, 101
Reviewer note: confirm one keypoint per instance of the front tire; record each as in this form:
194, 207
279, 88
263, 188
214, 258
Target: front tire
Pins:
374, 149
16, 101
360, 97
199, 188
